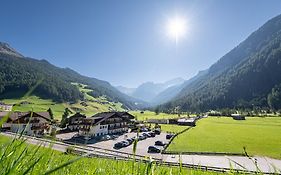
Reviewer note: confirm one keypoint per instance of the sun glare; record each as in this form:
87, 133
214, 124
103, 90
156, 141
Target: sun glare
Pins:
176, 28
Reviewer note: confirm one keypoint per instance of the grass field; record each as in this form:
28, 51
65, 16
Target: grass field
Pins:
18, 158
260, 136
151, 115
89, 106
172, 128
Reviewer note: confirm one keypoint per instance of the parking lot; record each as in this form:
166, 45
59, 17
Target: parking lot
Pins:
142, 145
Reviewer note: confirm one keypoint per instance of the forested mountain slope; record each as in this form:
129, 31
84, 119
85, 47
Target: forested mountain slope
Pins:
243, 78
19, 73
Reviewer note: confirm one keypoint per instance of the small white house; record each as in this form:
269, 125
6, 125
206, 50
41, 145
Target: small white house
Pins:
238, 117
5, 107
187, 121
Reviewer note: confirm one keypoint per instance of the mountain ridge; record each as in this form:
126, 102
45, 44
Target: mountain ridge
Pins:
149, 90
24, 73
242, 78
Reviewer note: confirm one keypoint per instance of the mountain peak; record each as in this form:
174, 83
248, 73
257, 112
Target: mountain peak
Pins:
7, 49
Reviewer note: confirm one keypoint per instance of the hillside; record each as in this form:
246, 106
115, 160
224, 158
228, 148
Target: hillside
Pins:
172, 91
243, 78
88, 105
23, 74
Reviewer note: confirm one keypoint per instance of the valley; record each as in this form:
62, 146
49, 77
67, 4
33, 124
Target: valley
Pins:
128, 88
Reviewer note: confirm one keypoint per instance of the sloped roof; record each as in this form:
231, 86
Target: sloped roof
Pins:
16, 115
100, 117
77, 115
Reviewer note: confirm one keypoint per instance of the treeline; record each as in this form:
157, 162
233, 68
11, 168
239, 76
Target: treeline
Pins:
22, 74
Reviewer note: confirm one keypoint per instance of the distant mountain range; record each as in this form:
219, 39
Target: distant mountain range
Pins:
22, 74
249, 76
154, 93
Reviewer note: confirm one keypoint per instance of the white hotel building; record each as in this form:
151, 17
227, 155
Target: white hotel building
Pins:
105, 123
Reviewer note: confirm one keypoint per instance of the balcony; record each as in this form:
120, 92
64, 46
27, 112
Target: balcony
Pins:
117, 127
39, 126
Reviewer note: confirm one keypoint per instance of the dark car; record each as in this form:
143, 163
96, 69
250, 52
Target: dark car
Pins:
125, 143
146, 135
159, 143
141, 137
157, 131
153, 149
169, 136
130, 141
152, 134
114, 136
118, 145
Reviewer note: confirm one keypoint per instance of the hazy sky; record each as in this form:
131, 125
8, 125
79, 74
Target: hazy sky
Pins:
125, 42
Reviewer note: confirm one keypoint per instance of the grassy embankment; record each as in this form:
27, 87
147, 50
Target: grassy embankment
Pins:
151, 115
89, 106
172, 128
260, 136
19, 158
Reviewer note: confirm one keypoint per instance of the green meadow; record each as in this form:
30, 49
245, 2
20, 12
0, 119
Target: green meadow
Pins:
152, 115
260, 136
172, 128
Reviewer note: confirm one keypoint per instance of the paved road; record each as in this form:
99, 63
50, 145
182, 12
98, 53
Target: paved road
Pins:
266, 165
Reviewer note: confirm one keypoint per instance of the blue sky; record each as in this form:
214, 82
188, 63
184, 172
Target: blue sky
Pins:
125, 42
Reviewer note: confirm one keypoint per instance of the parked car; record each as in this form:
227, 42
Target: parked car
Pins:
106, 137
148, 134
159, 143
152, 134
125, 143
144, 130
157, 131
141, 137
114, 136
118, 145
130, 141
169, 136
145, 135
153, 149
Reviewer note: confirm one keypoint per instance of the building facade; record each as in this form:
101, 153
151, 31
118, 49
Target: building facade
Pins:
105, 123
29, 123
74, 122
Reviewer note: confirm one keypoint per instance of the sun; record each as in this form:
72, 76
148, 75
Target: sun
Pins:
176, 28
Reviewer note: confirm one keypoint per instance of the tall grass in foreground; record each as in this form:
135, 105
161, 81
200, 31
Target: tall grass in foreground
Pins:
17, 157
